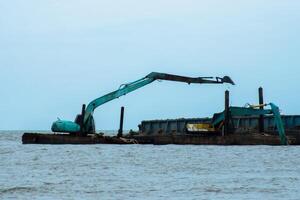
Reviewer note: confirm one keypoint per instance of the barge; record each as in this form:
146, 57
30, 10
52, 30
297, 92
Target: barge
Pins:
175, 131
250, 125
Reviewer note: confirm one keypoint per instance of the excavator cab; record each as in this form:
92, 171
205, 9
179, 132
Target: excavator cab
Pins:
75, 127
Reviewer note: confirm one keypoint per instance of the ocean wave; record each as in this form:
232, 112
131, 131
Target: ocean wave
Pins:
17, 189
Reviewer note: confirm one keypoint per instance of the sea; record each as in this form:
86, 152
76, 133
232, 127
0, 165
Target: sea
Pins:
104, 171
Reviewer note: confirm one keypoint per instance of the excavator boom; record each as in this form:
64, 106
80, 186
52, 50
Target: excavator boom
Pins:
171, 77
127, 88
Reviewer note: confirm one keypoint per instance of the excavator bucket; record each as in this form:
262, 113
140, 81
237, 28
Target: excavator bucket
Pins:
227, 79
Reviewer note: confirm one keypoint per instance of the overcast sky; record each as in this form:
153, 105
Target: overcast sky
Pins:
56, 55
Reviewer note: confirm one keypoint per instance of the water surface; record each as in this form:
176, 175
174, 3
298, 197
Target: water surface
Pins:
146, 171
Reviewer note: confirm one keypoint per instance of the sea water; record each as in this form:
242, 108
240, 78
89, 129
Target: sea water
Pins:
146, 171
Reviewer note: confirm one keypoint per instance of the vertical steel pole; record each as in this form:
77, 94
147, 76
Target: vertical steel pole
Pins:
261, 117
120, 132
226, 114
82, 118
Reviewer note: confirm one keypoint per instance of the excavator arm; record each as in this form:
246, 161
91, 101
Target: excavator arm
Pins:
127, 88
85, 122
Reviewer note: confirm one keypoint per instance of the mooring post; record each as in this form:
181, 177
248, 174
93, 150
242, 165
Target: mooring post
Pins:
261, 117
82, 118
120, 132
226, 114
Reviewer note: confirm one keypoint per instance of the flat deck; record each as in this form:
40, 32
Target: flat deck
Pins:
231, 139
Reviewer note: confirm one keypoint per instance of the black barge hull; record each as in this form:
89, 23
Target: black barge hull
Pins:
185, 139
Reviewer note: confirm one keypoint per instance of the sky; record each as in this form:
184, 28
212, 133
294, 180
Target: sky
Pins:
56, 55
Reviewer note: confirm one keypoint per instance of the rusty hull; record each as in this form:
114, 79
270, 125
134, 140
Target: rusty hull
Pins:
185, 139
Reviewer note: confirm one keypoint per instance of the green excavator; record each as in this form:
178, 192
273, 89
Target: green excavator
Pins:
253, 110
84, 123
